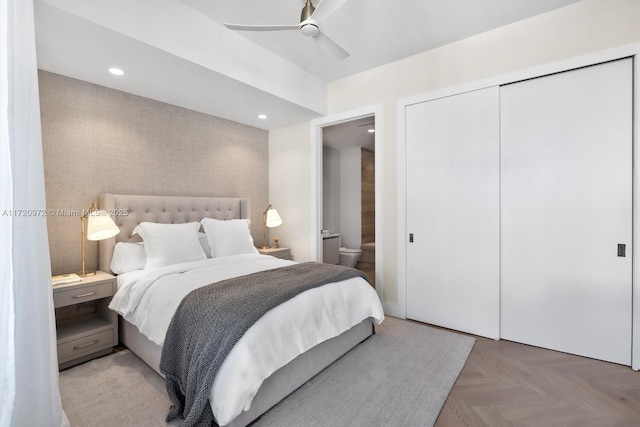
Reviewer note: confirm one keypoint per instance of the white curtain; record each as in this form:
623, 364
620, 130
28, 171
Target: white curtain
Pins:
29, 393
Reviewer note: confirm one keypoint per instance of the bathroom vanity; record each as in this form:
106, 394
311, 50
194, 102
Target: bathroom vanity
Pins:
331, 248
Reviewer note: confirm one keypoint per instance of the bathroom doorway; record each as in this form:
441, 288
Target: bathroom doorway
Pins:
348, 194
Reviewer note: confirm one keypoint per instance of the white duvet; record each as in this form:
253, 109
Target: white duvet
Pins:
148, 299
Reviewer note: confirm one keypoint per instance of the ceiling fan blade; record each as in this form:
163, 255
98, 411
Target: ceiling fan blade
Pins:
331, 47
242, 27
325, 8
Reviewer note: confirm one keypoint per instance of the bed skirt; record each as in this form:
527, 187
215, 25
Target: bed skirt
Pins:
282, 382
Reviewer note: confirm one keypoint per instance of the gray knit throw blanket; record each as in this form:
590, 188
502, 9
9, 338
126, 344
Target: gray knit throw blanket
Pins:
211, 319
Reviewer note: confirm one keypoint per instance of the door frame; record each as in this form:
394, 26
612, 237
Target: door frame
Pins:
316, 181
633, 51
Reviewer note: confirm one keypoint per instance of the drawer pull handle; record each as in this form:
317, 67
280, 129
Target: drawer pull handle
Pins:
89, 344
88, 294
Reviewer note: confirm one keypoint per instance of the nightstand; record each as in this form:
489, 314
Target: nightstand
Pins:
85, 326
282, 253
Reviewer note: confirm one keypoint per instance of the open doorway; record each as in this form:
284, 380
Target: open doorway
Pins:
316, 177
348, 194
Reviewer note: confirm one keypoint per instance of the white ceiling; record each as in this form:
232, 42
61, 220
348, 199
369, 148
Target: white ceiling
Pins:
179, 52
354, 133
375, 32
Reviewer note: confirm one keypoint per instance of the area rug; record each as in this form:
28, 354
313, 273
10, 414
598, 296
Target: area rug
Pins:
401, 376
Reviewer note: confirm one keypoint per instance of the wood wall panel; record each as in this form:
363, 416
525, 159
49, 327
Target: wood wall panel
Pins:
368, 180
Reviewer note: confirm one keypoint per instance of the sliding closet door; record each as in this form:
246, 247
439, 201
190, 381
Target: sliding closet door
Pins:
566, 152
453, 212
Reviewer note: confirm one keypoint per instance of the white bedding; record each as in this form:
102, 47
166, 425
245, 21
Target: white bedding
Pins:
148, 299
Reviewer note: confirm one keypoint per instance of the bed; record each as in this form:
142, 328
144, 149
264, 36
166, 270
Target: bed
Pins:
280, 378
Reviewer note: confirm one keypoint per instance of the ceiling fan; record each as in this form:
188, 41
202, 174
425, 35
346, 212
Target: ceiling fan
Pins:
308, 26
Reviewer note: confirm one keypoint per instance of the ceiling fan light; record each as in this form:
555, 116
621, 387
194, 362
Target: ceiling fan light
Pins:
309, 30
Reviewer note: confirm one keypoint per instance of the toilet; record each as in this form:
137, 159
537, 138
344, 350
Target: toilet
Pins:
349, 257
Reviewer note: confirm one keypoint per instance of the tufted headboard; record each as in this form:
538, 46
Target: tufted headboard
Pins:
129, 210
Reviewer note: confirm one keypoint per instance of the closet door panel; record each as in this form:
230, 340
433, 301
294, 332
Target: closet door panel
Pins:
453, 212
566, 187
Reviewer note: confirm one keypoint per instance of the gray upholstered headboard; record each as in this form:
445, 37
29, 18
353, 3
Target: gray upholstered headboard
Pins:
129, 210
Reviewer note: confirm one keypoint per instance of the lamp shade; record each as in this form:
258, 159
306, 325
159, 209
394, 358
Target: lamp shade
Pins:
273, 219
100, 226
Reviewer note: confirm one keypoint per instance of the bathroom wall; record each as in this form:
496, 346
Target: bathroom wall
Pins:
341, 188
350, 197
368, 191
330, 189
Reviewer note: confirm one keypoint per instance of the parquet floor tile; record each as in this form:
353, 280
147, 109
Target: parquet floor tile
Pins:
509, 384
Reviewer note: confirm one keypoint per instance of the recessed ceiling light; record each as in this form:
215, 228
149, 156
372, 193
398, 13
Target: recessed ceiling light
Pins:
116, 71
371, 130
262, 116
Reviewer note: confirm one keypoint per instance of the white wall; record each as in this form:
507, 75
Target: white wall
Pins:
351, 197
580, 28
290, 188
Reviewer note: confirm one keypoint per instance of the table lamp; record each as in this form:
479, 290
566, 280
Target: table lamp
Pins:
99, 226
270, 218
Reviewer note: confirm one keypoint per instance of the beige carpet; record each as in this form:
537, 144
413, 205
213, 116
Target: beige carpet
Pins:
399, 377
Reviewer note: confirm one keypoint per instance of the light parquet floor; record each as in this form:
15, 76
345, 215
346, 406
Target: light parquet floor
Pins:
509, 384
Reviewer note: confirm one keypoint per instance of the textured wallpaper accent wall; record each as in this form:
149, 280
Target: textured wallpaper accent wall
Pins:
99, 140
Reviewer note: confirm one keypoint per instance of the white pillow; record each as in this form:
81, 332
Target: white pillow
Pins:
167, 244
128, 257
230, 237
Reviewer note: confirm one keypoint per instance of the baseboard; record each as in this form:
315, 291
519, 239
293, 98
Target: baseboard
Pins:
393, 309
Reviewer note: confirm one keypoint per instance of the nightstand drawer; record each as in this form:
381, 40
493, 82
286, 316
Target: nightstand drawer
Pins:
82, 294
85, 345
282, 253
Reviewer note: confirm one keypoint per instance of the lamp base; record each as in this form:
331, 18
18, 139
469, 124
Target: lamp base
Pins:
86, 273
264, 247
